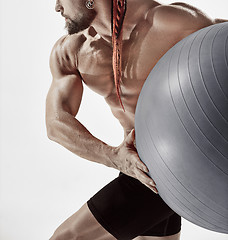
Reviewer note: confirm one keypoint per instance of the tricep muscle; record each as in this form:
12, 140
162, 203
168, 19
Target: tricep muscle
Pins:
66, 89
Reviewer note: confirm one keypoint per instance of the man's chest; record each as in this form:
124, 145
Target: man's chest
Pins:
140, 54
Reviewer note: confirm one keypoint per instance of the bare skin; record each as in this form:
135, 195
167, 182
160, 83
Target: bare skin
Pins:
149, 31
82, 225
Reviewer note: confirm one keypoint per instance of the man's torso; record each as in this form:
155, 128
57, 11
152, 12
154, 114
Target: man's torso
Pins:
146, 45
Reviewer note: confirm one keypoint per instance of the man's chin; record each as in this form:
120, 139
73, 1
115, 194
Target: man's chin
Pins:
72, 31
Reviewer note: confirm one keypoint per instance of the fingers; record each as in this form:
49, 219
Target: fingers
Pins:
146, 180
133, 133
154, 189
130, 137
140, 165
134, 155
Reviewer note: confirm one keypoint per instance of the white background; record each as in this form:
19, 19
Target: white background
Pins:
42, 183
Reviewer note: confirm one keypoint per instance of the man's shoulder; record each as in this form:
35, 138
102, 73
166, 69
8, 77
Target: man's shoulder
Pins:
64, 52
68, 44
178, 17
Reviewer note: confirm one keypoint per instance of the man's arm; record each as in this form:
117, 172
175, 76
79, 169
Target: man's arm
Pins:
62, 105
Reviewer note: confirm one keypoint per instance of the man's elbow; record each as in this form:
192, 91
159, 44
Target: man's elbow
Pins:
50, 134
51, 130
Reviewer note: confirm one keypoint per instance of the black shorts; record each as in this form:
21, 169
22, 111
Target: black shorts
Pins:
126, 208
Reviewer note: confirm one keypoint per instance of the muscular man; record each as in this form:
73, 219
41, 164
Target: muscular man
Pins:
128, 207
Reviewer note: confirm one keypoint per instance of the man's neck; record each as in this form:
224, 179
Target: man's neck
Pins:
136, 12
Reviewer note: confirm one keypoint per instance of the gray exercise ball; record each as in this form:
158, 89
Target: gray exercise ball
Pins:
181, 126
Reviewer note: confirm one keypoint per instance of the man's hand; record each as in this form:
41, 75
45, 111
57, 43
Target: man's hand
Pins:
128, 162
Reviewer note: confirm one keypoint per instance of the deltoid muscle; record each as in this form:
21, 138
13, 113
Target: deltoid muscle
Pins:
118, 14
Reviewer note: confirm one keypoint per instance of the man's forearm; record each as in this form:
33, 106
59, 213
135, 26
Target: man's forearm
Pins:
70, 133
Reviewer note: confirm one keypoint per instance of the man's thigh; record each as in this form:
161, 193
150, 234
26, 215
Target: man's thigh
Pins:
126, 208
123, 209
81, 225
